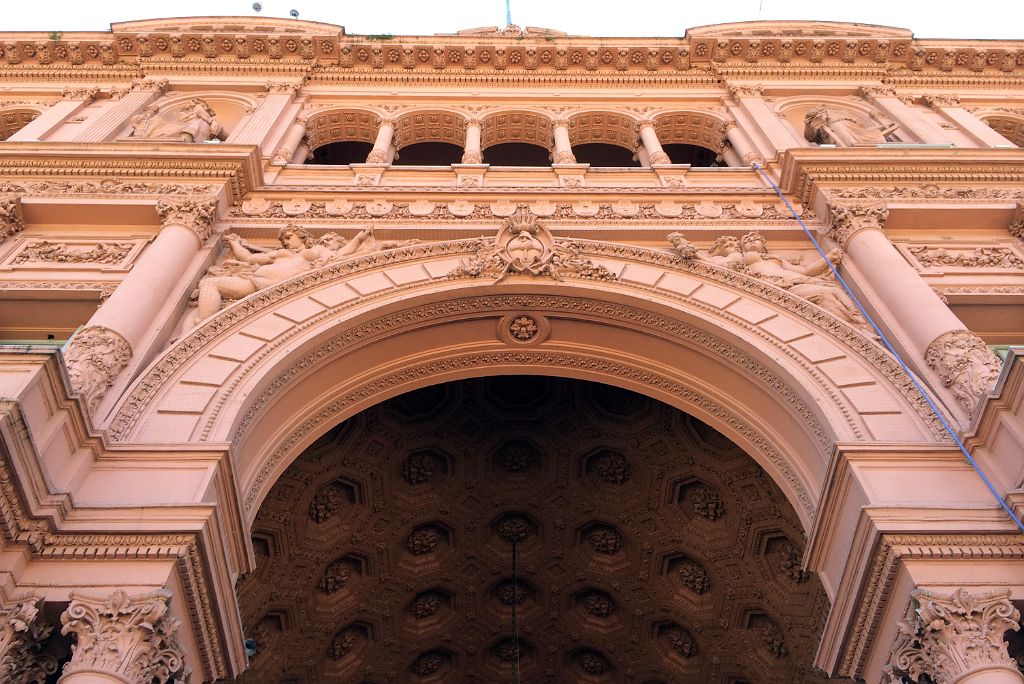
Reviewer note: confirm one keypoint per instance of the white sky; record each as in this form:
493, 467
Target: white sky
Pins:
926, 18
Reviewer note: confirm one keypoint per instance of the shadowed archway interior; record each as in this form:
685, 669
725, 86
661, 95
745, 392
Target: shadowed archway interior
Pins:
650, 548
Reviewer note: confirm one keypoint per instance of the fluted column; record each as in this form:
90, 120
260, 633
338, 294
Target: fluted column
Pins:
257, 126
75, 99
99, 352
741, 145
381, 152
884, 97
649, 137
471, 153
22, 637
957, 359
117, 113
957, 639
290, 143
778, 132
121, 639
563, 148
976, 129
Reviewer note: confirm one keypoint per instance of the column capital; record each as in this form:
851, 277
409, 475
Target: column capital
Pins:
151, 85
845, 221
11, 220
22, 637
562, 121
746, 90
388, 121
131, 638
646, 122
474, 121
965, 364
95, 357
950, 636
877, 90
937, 101
198, 216
84, 95
283, 88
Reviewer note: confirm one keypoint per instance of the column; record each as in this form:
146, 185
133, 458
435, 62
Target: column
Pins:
972, 126
118, 112
257, 125
290, 143
563, 148
641, 156
99, 352
122, 639
649, 137
471, 153
778, 132
22, 637
730, 157
382, 152
958, 359
741, 145
75, 99
925, 131
957, 639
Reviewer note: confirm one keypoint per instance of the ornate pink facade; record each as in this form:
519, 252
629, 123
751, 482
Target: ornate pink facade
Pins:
307, 335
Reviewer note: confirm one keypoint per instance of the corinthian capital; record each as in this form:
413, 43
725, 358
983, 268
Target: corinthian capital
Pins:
131, 638
965, 364
949, 637
936, 101
86, 95
283, 88
94, 359
11, 221
198, 216
845, 221
1016, 226
22, 637
878, 90
746, 90
148, 85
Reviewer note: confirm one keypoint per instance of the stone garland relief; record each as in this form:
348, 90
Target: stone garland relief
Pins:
947, 637
995, 257
46, 252
130, 638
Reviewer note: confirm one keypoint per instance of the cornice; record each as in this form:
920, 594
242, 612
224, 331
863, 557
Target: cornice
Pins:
238, 166
803, 170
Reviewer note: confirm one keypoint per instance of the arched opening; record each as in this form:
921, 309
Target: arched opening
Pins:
340, 137
517, 154
343, 152
694, 155
428, 154
633, 523
603, 154
13, 120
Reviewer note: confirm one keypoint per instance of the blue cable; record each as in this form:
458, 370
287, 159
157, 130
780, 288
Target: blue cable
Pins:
899, 359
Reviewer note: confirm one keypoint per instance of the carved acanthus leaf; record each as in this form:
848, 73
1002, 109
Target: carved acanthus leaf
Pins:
131, 638
196, 215
979, 257
1016, 226
524, 246
948, 637
845, 221
22, 637
95, 357
43, 251
964, 364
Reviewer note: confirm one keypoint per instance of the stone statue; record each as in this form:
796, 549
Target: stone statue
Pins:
750, 255
194, 123
827, 126
249, 270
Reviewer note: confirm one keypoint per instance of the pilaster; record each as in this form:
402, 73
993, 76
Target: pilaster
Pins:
74, 100
976, 129
117, 112
910, 120
255, 129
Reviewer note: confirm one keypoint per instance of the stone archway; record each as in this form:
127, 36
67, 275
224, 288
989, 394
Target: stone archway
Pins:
650, 548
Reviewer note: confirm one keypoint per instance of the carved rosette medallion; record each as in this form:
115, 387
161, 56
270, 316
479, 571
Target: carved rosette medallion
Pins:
22, 633
11, 221
846, 221
523, 328
94, 359
964, 364
131, 638
524, 246
948, 637
198, 216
